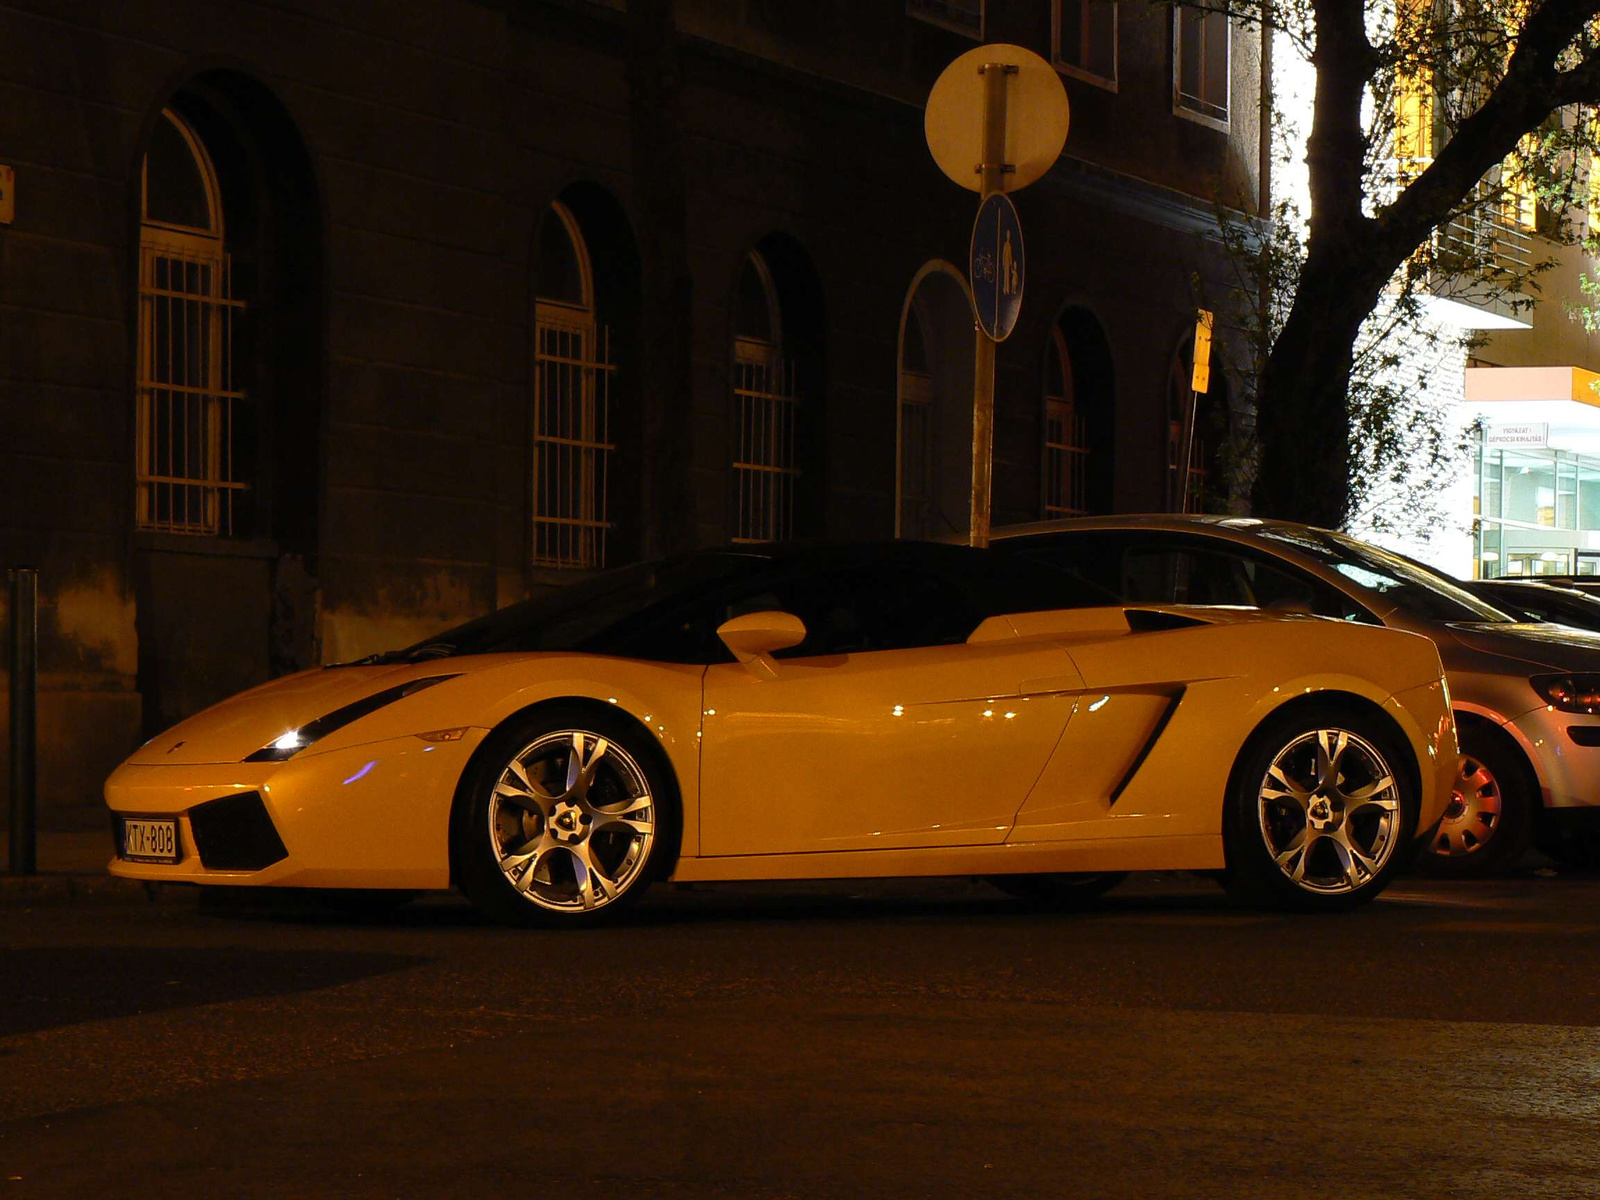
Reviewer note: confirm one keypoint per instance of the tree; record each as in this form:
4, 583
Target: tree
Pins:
1489, 82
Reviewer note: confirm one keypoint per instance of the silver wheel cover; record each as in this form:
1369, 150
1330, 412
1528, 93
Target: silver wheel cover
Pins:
571, 821
1474, 813
1329, 811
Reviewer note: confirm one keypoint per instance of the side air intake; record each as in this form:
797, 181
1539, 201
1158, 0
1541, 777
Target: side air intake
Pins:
1149, 620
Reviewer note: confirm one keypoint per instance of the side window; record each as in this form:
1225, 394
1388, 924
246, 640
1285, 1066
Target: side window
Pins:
1282, 586
859, 610
1166, 574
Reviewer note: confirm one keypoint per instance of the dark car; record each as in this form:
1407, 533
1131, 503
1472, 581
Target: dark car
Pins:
1537, 600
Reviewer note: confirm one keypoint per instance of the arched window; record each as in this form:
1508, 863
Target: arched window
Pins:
917, 441
1203, 488
571, 402
933, 469
766, 465
1066, 436
186, 472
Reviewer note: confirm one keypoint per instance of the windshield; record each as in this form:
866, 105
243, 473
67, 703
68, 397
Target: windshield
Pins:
594, 615
1408, 585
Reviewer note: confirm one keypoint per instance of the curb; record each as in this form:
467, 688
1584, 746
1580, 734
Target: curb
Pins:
48, 887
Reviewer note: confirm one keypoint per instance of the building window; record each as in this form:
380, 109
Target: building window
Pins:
766, 461
571, 403
917, 503
1085, 40
1066, 437
963, 16
186, 480
1200, 63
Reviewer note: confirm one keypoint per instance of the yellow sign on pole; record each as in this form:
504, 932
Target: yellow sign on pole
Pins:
1201, 379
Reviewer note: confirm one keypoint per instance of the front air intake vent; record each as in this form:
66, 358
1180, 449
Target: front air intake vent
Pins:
236, 833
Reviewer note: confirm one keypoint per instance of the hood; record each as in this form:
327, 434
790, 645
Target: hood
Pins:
235, 729
1540, 646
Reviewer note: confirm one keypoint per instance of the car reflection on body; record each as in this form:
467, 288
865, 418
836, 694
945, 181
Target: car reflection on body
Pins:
1526, 694
884, 710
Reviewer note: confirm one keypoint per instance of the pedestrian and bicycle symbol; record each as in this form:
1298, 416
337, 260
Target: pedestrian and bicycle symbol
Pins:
996, 267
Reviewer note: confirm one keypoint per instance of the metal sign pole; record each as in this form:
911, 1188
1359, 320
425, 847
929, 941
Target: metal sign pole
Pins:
24, 718
1199, 381
992, 170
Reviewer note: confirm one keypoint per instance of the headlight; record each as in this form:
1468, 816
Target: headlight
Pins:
1570, 693
296, 740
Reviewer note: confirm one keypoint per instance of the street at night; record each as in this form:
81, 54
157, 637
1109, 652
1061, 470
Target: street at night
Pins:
913, 1038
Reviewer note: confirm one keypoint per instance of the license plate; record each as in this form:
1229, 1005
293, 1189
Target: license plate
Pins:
145, 840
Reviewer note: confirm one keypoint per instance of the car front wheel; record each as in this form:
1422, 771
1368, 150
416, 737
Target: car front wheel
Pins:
563, 821
1322, 807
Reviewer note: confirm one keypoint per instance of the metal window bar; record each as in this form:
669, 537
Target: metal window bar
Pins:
571, 439
185, 478
1483, 235
916, 455
1066, 460
766, 469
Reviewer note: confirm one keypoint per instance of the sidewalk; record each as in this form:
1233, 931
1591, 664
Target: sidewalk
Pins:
70, 865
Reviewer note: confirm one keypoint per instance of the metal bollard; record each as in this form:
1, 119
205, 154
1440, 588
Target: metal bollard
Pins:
24, 664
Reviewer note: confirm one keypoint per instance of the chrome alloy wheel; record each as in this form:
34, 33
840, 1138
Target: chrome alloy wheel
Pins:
572, 821
1474, 812
1330, 811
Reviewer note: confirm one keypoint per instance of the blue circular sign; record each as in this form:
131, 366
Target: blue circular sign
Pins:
995, 266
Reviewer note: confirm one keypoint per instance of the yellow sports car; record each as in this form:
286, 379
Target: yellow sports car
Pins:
884, 710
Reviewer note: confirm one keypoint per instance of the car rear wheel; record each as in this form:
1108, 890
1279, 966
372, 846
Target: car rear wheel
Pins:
1058, 891
1485, 827
1321, 809
564, 820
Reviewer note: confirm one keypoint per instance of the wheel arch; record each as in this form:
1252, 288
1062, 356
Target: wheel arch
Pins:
489, 747
1495, 730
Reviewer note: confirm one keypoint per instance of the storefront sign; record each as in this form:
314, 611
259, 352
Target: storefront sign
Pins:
1517, 435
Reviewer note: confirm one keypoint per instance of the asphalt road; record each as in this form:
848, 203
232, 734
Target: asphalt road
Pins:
922, 1039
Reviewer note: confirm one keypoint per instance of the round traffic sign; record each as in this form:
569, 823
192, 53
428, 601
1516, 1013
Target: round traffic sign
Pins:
995, 266
1036, 116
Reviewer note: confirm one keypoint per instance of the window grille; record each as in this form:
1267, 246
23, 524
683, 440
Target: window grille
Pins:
1066, 439
765, 469
916, 453
963, 16
571, 439
1066, 459
186, 474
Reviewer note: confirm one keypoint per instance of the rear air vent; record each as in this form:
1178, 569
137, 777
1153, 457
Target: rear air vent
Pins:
1149, 620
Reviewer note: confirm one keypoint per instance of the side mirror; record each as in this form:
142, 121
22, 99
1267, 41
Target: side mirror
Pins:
754, 636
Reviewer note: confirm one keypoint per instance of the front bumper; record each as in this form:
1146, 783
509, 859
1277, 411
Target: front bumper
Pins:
370, 816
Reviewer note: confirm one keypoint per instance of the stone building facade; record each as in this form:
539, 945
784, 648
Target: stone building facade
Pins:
325, 323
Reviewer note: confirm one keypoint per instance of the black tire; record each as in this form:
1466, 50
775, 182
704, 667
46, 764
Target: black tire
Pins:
1321, 811
537, 840
1487, 826
1062, 891
1573, 842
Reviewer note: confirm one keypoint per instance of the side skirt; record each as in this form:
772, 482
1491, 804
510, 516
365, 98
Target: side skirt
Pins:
1171, 852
